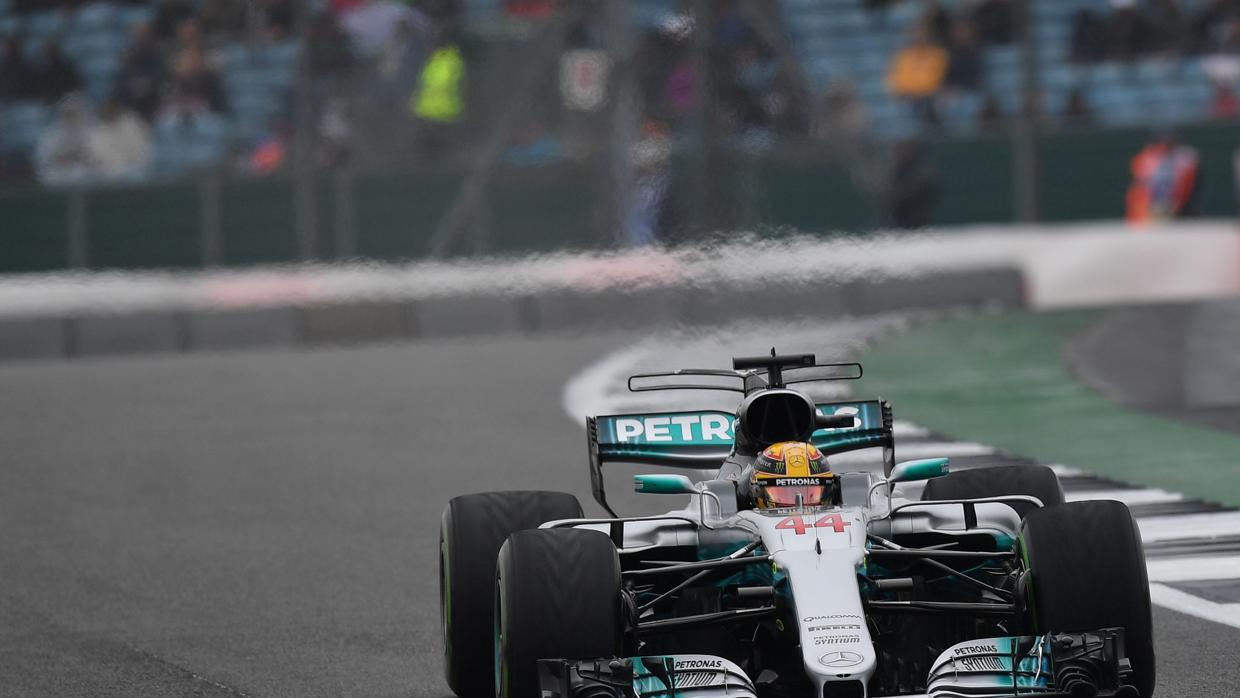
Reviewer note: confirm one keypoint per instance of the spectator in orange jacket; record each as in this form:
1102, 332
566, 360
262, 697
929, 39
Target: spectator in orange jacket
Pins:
917, 72
1164, 181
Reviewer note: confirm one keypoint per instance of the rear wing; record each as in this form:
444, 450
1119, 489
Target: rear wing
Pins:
703, 439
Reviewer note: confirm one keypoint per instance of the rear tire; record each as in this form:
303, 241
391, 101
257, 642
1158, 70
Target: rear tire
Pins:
1032, 480
557, 595
473, 528
1088, 572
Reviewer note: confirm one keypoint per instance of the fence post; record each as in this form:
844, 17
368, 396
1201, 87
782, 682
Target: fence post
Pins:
1025, 166
211, 243
346, 215
78, 242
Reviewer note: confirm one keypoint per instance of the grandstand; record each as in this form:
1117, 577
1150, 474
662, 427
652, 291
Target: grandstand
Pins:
258, 78
839, 38
832, 39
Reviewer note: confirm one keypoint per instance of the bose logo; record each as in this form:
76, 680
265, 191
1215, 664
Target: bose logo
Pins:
686, 427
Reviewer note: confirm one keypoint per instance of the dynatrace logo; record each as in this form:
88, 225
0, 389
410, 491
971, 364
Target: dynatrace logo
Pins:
675, 428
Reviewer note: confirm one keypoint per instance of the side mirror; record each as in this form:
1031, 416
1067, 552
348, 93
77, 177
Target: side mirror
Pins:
663, 484
922, 469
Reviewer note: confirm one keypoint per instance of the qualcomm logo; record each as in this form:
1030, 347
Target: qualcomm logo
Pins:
683, 427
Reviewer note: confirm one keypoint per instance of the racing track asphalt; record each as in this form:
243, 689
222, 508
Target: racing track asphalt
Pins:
264, 523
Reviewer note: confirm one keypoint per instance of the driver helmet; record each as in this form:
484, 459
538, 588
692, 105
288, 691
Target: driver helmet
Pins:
792, 470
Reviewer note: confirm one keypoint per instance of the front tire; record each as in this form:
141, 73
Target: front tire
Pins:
1088, 572
557, 595
473, 528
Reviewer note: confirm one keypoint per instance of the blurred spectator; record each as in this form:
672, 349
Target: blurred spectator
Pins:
63, 154
439, 100
327, 46
993, 21
1089, 36
1129, 33
398, 65
785, 110
937, 22
55, 75
336, 136
140, 82
530, 9
17, 76
187, 37
1203, 25
1223, 62
270, 151
964, 62
913, 187
276, 18
225, 18
170, 15
651, 158
371, 23
1224, 105
120, 143
535, 145
990, 115
1164, 181
916, 73
194, 87
841, 116
1076, 110
680, 88
1169, 26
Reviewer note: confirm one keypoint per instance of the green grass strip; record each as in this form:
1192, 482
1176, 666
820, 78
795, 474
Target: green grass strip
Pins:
1000, 380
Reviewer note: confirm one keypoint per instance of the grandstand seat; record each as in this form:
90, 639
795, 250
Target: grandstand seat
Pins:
95, 15
40, 25
282, 56
130, 15
20, 125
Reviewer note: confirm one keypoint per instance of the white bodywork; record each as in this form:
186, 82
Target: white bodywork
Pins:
820, 550
821, 557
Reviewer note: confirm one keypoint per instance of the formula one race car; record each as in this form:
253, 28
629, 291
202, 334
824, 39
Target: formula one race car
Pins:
784, 578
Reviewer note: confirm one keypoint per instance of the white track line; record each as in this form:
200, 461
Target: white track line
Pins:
1176, 600
908, 430
1201, 568
936, 449
1066, 470
1129, 497
1161, 528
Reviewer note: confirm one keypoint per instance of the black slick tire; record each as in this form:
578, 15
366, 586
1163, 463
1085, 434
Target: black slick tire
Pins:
473, 528
1088, 573
557, 595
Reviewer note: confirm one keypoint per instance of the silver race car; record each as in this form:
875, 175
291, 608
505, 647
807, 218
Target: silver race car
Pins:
784, 577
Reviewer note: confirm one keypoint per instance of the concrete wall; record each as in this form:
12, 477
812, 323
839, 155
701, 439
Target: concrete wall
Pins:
558, 310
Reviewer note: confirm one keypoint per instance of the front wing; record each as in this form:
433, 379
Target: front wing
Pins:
1047, 666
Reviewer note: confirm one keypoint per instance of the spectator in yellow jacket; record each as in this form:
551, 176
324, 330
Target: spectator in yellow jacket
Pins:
439, 100
917, 72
